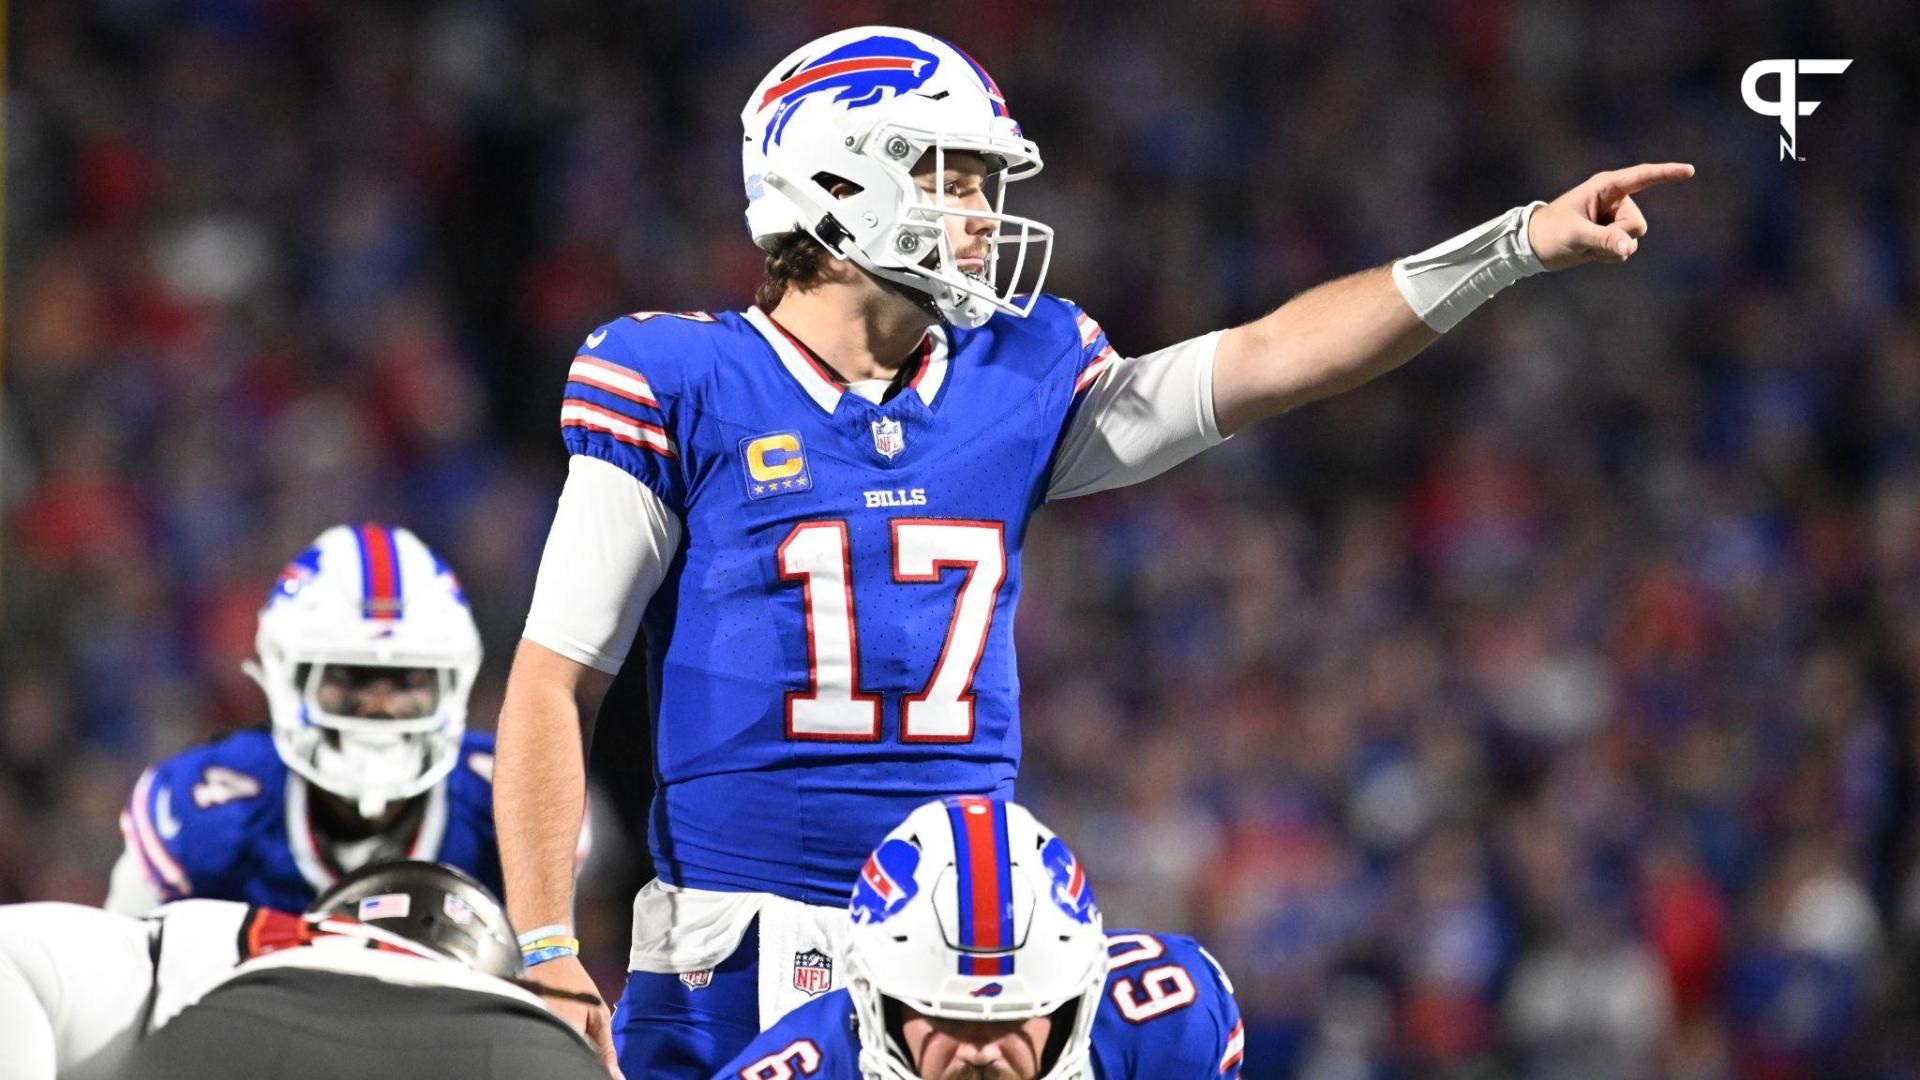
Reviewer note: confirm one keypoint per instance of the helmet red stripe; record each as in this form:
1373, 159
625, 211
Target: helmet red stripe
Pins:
382, 572
827, 71
989, 886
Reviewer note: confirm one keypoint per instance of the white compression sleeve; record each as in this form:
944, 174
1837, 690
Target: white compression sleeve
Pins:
1143, 416
1444, 283
610, 545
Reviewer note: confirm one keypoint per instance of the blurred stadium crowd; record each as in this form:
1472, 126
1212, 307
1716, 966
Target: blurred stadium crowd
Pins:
1546, 709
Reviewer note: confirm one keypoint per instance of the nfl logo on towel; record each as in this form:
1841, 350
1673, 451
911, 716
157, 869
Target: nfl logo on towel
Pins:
812, 972
888, 439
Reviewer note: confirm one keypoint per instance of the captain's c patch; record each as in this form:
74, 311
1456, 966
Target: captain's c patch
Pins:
776, 464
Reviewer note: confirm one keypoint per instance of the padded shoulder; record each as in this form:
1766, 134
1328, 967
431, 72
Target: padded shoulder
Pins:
816, 1040
471, 781
1168, 1010
201, 804
667, 349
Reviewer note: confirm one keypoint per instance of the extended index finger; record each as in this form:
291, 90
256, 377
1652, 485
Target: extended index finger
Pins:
1640, 177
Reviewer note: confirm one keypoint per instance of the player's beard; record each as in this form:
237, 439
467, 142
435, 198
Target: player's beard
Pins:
920, 299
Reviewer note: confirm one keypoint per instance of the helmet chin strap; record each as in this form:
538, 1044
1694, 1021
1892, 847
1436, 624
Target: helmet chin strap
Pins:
925, 292
919, 298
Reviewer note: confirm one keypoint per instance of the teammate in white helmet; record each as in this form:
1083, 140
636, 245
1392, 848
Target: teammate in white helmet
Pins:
812, 511
976, 950
367, 652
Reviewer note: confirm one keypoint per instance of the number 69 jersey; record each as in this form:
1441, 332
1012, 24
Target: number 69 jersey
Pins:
832, 643
1168, 1013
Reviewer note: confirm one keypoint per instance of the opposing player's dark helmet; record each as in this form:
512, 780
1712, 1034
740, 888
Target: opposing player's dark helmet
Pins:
432, 905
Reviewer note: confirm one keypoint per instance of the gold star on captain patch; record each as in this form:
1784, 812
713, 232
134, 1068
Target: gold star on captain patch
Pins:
786, 483
801, 482
759, 489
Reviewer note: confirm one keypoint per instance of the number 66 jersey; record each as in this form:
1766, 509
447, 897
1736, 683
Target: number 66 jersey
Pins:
826, 583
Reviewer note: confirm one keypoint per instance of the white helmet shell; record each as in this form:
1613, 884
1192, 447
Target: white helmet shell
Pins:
973, 910
864, 106
365, 596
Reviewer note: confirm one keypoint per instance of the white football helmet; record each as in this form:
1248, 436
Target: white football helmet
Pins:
367, 596
973, 910
863, 106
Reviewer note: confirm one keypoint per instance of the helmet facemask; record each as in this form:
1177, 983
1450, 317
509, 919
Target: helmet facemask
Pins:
326, 641
885, 1055
368, 759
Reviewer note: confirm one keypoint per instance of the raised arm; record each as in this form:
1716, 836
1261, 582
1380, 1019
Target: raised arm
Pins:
1336, 336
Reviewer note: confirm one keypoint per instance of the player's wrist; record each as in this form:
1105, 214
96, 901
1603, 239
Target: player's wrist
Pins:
545, 943
536, 957
1447, 281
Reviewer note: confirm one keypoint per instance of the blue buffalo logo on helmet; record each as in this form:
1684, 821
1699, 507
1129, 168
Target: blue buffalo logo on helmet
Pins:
1070, 887
295, 575
865, 72
886, 882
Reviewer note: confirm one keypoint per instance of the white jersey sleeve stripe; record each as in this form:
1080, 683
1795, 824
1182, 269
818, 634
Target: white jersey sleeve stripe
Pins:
1093, 369
582, 414
1236, 1048
147, 871
150, 844
610, 379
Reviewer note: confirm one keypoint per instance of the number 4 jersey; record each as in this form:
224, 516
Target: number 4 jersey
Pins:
1168, 1013
830, 639
230, 821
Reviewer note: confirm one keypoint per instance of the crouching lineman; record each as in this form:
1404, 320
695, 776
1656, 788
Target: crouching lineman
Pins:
399, 954
407, 970
367, 653
976, 950
80, 986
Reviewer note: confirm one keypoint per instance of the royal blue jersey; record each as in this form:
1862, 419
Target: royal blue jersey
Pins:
833, 642
1167, 1013
230, 821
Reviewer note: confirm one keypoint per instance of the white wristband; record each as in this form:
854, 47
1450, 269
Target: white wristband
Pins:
1444, 283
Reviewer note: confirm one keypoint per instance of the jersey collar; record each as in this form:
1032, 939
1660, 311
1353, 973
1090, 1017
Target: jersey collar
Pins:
821, 386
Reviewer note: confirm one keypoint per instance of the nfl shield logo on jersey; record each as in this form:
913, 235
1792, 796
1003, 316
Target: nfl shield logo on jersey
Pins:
812, 972
888, 439
697, 980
